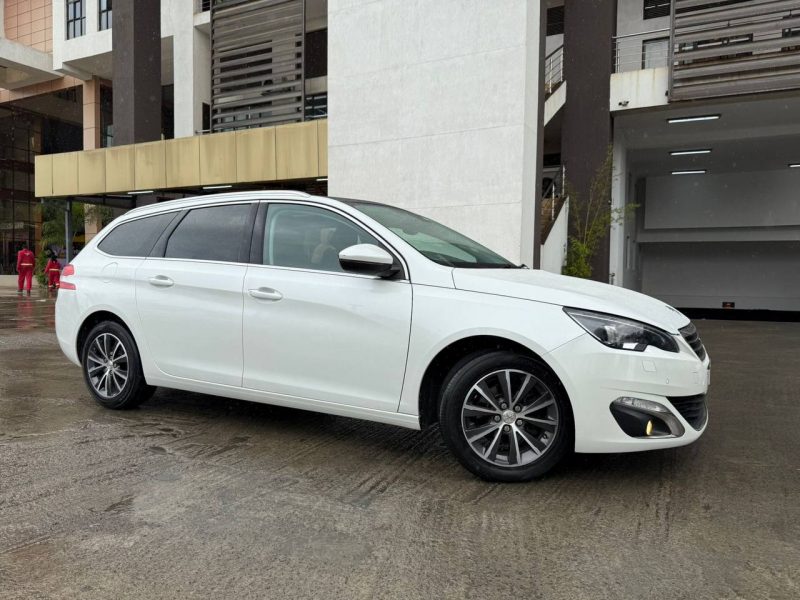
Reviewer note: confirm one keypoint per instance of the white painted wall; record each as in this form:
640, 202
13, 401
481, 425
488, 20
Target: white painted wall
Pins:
554, 249
757, 199
639, 89
433, 106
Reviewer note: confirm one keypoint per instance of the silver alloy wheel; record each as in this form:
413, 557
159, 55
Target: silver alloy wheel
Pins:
107, 365
510, 418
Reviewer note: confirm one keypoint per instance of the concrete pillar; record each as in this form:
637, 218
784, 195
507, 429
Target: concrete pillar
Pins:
589, 26
136, 55
191, 70
91, 137
434, 106
619, 189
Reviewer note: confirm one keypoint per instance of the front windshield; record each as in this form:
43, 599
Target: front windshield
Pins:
433, 240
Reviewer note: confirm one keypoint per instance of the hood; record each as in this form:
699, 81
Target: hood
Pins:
541, 286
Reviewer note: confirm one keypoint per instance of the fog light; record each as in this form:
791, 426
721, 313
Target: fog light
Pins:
641, 418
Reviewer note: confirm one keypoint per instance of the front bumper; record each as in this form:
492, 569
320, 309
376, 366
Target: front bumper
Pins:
594, 376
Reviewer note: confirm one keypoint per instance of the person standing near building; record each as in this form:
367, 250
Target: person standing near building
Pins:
53, 271
25, 262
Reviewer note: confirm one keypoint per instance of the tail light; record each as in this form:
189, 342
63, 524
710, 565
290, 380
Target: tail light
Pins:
66, 285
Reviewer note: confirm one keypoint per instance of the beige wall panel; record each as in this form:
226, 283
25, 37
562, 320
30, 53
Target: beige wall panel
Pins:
183, 162
322, 146
92, 172
255, 155
296, 150
120, 169
218, 158
43, 175
150, 170
65, 174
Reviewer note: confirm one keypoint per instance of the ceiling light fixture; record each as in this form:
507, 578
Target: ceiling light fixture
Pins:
217, 187
794, 165
140, 192
693, 119
322, 179
694, 172
690, 152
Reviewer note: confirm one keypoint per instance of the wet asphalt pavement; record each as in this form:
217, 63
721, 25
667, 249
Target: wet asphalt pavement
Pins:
197, 496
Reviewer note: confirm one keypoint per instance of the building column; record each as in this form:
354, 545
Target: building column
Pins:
589, 27
191, 70
619, 200
136, 56
91, 138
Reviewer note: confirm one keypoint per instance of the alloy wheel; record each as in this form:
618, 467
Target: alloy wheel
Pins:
107, 365
510, 418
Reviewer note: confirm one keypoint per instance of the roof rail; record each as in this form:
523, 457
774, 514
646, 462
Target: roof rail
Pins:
226, 196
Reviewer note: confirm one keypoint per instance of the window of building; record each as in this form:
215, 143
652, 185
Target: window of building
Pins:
213, 233
655, 53
104, 17
306, 237
76, 18
316, 53
135, 238
555, 20
653, 9
106, 116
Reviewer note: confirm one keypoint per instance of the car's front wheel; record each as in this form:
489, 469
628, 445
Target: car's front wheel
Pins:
505, 417
112, 367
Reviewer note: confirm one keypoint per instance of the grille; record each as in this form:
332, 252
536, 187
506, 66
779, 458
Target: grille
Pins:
692, 408
689, 333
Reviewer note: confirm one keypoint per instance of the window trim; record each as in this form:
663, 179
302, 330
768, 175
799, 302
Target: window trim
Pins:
257, 243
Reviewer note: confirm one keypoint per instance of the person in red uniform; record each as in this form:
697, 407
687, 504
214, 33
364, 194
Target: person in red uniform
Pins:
25, 262
53, 271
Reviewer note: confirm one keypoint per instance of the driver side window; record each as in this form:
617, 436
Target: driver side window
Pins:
308, 237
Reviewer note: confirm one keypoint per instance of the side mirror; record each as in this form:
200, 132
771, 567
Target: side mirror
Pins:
368, 259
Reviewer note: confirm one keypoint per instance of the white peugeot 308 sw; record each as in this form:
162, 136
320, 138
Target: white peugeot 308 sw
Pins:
366, 310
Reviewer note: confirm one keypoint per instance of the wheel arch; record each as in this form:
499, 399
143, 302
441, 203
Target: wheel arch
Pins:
91, 320
457, 351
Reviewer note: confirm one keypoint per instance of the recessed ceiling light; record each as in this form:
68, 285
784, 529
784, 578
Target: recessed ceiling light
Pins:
690, 152
794, 166
140, 192
694, 172
322, 179
217, 187
693, 119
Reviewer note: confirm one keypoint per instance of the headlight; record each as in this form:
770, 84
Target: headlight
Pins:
621, 333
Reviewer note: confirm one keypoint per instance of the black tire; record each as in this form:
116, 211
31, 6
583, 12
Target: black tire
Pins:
463, 408
112, 392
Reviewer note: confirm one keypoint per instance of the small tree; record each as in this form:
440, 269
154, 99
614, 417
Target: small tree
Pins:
590, 219
53, 231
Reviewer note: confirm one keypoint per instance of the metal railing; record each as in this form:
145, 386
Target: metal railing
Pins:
553, 70
643, 50
202, 5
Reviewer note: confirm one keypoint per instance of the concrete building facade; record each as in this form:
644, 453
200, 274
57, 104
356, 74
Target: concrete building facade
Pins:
472, 113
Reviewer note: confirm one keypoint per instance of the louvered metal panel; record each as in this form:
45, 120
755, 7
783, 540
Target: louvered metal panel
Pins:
729, 47
256, 63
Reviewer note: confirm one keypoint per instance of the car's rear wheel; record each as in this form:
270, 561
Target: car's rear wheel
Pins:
505, 417
112, 368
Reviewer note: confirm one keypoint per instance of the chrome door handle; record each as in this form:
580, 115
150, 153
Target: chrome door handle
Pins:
266, 294
161, 281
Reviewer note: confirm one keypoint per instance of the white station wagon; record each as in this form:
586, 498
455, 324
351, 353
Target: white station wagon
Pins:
365, 310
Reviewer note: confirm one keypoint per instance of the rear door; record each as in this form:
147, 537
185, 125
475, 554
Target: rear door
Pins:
189, 295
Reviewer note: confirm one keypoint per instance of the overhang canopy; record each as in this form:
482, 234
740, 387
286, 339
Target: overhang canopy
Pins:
21, 65
265, 154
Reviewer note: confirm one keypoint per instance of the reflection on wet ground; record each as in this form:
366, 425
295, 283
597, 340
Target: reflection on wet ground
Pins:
194, 495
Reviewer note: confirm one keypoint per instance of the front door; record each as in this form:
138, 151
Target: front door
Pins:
312, 330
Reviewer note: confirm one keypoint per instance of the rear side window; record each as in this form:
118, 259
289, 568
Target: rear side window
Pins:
213, 233
135, 238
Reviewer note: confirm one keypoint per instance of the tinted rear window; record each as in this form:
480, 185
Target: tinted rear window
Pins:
213, 233
135, 238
